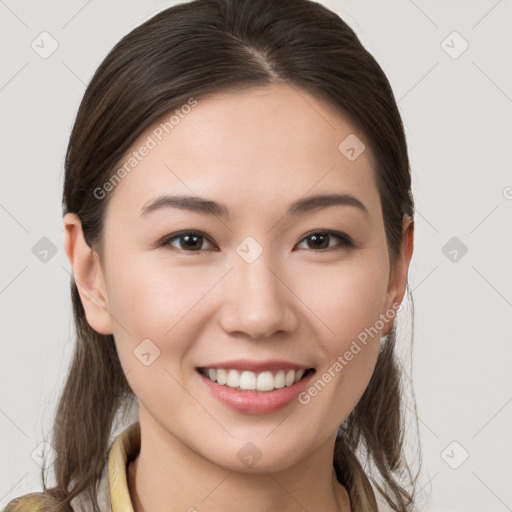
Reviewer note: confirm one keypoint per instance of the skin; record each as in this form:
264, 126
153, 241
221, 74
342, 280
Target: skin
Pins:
255, 151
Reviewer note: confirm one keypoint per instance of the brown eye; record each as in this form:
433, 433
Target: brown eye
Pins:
321, 240
189, 241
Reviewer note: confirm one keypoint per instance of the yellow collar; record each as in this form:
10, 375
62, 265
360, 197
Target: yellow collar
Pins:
124, 449
113, 494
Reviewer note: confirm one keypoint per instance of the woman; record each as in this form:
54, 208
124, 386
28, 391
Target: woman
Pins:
239, 221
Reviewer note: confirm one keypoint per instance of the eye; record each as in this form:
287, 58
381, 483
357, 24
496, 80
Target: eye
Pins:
320, 240
193, 241
188, 241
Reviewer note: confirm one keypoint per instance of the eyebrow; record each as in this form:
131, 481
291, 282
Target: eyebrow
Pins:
205, 206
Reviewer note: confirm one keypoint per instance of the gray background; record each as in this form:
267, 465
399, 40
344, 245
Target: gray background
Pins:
456, 110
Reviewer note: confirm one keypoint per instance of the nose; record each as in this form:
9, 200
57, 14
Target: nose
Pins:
258, 303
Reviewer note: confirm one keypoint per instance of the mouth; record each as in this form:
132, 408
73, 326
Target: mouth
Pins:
255, 387
264, 382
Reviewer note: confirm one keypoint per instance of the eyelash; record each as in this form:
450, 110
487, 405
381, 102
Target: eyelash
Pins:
344, 240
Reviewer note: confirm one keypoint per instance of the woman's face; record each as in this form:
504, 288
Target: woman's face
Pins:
252, 284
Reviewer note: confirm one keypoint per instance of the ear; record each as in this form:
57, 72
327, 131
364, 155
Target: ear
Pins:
398, 274
88, 276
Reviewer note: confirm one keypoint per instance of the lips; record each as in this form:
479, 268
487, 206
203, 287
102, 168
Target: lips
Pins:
255, 387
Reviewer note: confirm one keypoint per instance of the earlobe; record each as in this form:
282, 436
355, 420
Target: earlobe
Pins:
88, 276
398, 281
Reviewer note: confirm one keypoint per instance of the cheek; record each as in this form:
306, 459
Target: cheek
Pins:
149, 299
346, 298
152, 297
152, 308
347, 301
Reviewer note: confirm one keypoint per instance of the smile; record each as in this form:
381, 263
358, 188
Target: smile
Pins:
246, 380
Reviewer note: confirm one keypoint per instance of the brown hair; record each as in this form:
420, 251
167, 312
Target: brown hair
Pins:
196, 49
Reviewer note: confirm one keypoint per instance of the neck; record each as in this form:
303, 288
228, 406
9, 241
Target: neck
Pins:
167, 476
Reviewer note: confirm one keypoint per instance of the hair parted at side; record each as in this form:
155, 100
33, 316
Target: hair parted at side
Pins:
197, 49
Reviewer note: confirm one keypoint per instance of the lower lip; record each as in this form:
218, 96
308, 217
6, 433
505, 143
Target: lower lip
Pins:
256, 402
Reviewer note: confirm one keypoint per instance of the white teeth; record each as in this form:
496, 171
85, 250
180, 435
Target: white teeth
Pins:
279, 380
233, 379
246, 380
222, 376
265, 381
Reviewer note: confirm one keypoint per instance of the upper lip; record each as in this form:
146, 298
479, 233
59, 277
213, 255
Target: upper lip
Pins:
256, 366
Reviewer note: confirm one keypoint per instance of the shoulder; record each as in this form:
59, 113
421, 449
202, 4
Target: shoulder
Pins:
32, 502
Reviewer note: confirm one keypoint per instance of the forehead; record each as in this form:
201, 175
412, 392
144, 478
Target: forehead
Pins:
253, 147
